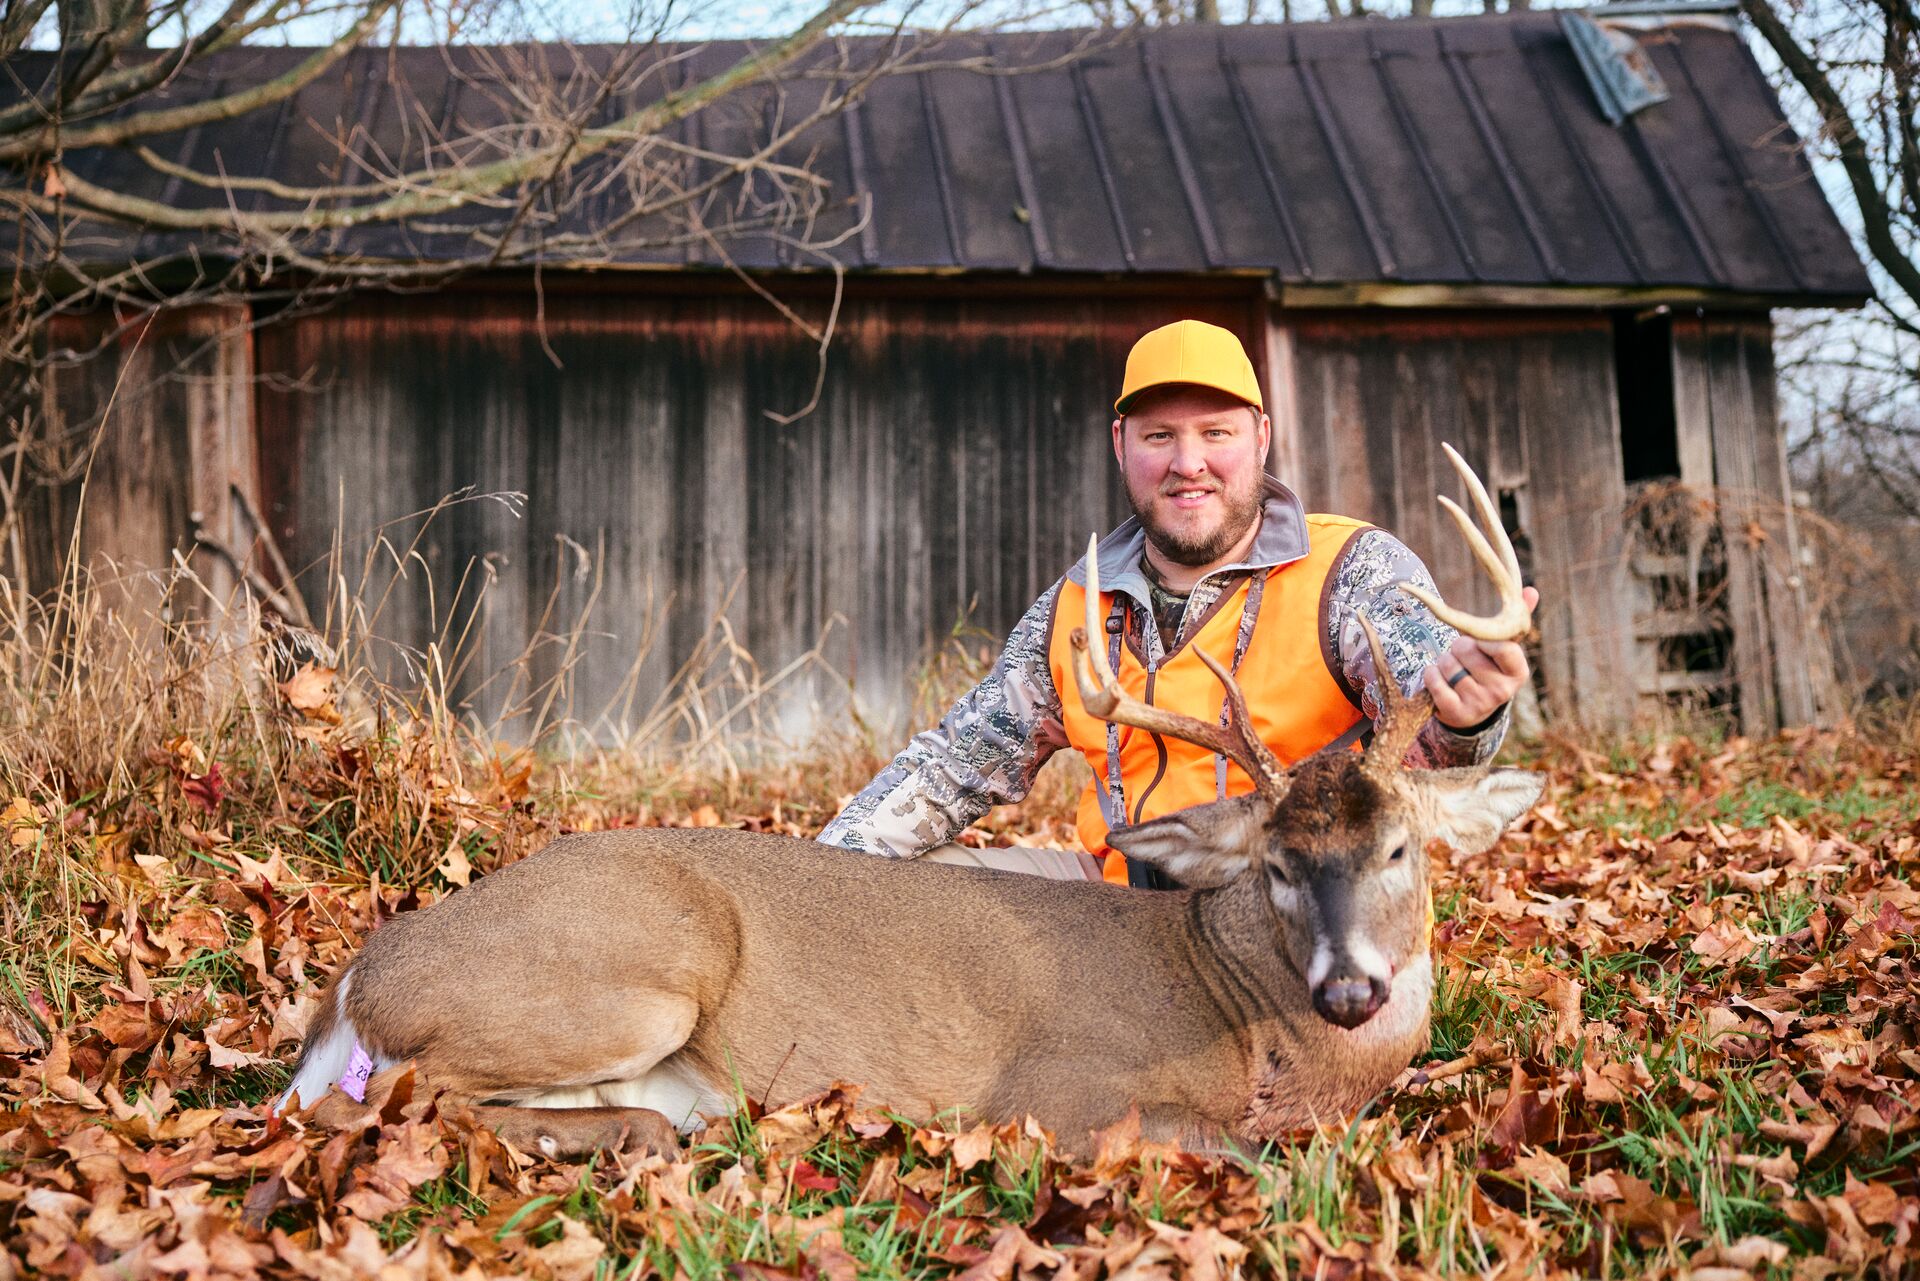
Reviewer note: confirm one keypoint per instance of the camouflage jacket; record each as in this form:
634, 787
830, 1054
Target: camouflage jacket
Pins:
993, 741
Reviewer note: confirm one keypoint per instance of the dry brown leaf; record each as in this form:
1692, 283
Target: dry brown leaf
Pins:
310, 692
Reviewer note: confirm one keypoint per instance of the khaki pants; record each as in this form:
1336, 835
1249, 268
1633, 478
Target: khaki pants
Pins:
1055, 865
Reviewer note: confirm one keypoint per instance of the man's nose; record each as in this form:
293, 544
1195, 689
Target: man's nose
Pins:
1189, 460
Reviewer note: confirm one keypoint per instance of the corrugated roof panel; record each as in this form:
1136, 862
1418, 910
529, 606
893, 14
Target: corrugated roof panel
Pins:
1659, 238
980, 175
1776, 163
909, 221
1574, 216
1333, 234
1155, 204
1780, 183
1452, 151
1480, 203
821, 149
1686, 132
737, 125
1216, 119
1073, 198
1206, 98
1379, 157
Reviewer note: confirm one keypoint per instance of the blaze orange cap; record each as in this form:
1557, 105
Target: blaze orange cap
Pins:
1190, 351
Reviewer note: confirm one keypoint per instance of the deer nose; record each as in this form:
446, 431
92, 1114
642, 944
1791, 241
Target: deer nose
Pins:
1350, 1002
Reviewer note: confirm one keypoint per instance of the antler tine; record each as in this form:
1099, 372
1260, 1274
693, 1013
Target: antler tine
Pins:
1401, 715
1514, 620
1102, 695
1265, 768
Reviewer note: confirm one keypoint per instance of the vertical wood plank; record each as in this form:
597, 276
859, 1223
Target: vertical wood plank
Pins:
1731, 414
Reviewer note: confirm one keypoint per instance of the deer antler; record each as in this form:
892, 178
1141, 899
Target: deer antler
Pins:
1402, 716
1101, 693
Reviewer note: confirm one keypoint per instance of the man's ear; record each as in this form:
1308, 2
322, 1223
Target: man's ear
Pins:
1470, 808
1202, 845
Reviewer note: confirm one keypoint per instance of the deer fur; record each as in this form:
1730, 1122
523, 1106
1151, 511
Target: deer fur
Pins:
677, 970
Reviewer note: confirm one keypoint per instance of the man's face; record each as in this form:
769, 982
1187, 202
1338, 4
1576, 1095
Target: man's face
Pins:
1192, 459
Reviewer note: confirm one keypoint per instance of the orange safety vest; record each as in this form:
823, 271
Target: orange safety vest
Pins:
1298, 704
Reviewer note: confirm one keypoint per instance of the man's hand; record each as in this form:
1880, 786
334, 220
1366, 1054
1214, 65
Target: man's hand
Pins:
1474, 679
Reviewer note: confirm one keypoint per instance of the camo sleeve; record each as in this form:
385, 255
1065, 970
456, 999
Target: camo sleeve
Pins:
985, 752
1410, 636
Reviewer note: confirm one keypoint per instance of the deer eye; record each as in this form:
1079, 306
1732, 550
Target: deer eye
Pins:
1399, 853
1278, 873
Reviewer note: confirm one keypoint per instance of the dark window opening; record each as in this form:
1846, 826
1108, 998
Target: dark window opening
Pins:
1643, 373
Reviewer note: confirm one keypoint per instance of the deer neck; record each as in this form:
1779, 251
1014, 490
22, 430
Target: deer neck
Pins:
1296, 1069
1238, 952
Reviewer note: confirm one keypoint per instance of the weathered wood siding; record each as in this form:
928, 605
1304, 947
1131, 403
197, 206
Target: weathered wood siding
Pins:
1724, 393
148, 438
953, 468
1529, 400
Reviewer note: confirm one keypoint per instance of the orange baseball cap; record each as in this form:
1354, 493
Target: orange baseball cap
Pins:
1190, 351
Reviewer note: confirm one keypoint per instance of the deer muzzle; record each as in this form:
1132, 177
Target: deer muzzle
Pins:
1350, 1002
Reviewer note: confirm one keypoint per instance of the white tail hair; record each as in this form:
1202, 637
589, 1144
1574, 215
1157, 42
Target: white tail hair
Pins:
323, 1060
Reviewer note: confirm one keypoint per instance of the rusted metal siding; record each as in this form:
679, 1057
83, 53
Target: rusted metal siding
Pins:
1529, 400
955, 464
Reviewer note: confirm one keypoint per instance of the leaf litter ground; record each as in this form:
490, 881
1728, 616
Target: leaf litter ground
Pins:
1676, 1033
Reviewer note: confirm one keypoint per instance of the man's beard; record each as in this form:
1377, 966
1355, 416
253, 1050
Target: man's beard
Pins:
1241, 509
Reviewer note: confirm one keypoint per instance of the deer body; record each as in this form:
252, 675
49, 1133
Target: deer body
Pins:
616, 978
671, 964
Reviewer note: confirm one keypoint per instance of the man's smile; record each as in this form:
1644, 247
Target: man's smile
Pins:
1191, 496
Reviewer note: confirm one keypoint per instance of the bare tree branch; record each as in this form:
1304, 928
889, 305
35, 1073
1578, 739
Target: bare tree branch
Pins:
49, 137
1876, 211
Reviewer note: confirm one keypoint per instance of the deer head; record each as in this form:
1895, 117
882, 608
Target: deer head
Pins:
1339, 839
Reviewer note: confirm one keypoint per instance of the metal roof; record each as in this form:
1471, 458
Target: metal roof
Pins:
1457, 152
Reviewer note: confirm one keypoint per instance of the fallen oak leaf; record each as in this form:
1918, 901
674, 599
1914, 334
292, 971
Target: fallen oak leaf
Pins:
205, 790
1749, 1253
224, 1059
408, 1155
808, 1178
1814, 1136
1545, 1169
309, 691
1876, 1204
574, 1257
972, 1147
1010, 1250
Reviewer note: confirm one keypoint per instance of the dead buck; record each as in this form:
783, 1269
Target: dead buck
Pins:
618, 978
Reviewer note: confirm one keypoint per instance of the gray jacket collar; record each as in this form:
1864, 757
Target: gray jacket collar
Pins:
1282, 539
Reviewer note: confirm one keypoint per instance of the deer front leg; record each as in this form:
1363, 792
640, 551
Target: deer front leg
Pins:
570, 1132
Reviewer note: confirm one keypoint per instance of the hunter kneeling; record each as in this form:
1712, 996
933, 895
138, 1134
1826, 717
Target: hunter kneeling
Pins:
1220, 560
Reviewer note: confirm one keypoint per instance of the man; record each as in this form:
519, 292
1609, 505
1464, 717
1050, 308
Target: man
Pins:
1218, 557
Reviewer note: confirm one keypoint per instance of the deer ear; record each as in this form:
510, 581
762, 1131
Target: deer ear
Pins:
1471, 807
1202, 845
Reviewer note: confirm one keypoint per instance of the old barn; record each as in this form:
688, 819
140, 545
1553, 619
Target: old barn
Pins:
1553, 239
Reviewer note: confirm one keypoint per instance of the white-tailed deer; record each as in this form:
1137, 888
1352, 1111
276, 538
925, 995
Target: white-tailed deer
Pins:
618, 975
